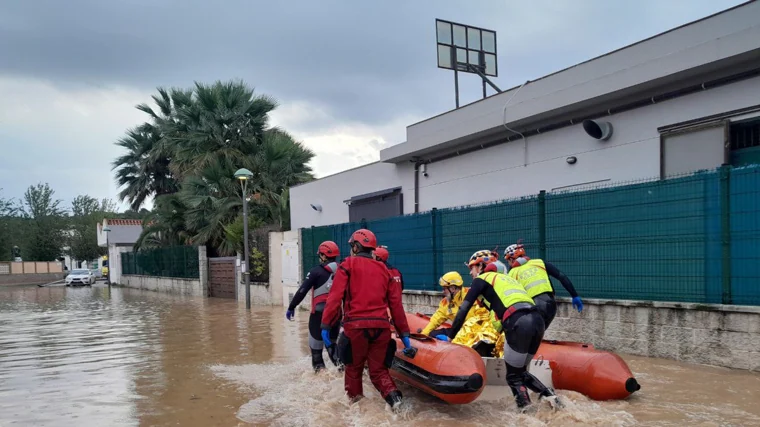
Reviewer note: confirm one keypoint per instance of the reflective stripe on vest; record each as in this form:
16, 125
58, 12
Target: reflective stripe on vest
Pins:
509, 290
532, 275
325, 288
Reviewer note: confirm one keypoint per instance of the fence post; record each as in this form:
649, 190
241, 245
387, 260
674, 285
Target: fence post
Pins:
542, 224
434, 225
725, 231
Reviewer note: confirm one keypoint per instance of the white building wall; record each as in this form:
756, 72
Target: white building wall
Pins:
331, 191
497, 172
632, 153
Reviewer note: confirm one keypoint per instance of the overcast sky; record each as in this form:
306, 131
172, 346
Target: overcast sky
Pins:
349, 75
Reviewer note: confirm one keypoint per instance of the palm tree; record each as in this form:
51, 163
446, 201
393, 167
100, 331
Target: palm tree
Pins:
198, 138
165, 225
142, 172
223, 126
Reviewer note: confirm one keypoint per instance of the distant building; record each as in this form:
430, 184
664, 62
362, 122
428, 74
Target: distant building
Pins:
122, 238
684, 100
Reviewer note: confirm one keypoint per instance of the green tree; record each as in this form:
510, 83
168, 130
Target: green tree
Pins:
199, 138
143, 172
46, 223
165, 225
87, 212
7, 213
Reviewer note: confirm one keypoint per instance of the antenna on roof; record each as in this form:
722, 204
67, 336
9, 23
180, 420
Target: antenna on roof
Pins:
468, 49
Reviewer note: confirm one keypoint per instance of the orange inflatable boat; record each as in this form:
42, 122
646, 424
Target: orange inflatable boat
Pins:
452, 373
579, 367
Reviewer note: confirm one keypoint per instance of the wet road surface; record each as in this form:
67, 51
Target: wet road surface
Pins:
123, 357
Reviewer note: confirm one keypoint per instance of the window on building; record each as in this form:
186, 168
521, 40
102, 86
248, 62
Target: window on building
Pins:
377, 205
744, 142
690, 149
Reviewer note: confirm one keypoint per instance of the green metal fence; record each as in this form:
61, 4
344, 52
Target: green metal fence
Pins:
694, 238
177, 261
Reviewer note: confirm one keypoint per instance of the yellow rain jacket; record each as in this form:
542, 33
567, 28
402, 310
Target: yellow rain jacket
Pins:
447, 312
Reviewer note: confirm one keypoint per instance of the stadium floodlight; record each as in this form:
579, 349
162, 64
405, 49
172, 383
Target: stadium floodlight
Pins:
467, 49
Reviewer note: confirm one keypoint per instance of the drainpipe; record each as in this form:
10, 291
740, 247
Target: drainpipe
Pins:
416, 185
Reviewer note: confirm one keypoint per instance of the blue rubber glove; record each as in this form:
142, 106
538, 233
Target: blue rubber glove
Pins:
578, 304
407, 343
289, 315
442, 337
326, 337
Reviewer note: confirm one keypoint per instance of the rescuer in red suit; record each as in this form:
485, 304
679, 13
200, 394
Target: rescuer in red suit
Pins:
382, 254
366, 290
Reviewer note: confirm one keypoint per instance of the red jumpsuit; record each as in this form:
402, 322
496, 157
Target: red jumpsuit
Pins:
366, 290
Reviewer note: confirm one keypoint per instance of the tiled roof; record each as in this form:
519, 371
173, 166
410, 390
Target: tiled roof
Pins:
119, 221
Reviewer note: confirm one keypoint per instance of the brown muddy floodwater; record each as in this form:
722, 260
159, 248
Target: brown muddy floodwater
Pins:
121, 357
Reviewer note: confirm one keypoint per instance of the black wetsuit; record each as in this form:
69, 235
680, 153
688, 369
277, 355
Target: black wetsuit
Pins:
315, 279
545, 302
524, 329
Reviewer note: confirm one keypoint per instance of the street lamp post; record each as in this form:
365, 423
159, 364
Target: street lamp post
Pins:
244, 175
107, 230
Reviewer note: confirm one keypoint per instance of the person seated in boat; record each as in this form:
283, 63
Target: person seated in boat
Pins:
521, 322
453, 295
365, 289
318, 281
534, 274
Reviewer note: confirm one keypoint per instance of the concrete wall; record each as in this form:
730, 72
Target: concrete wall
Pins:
632, 153
171, 285
718, 335
114, 262
30, 279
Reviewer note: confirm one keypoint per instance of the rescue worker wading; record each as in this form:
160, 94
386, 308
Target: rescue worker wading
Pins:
381, 254
318, 281
521, 322
453, 295
534, 274
366, 290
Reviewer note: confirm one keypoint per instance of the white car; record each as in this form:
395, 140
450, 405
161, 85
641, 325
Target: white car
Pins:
80, 277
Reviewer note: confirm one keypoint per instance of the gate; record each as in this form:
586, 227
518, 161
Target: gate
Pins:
221, 277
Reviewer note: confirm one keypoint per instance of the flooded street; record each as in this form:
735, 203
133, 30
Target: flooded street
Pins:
122, 357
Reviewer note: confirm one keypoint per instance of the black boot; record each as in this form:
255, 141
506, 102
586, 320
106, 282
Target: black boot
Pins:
515, 383
521, 396
544, 392
394, 399
316, 360
536, 386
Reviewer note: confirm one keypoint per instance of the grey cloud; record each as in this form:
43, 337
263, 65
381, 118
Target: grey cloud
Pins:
366, 60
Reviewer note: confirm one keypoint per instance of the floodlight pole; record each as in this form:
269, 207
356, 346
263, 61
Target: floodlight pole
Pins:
477, 71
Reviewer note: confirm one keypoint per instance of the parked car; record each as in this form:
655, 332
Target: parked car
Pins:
80, 277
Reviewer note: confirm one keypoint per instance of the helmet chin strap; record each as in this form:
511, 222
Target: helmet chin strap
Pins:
520, 261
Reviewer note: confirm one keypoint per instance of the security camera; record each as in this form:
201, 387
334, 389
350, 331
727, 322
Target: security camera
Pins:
316, 207
425, 174
423, 169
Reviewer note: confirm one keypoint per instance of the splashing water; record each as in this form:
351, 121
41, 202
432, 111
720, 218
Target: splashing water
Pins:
290, 394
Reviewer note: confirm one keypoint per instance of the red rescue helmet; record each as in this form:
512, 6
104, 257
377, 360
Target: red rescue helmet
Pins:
364, 238
329, 249
382, 254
